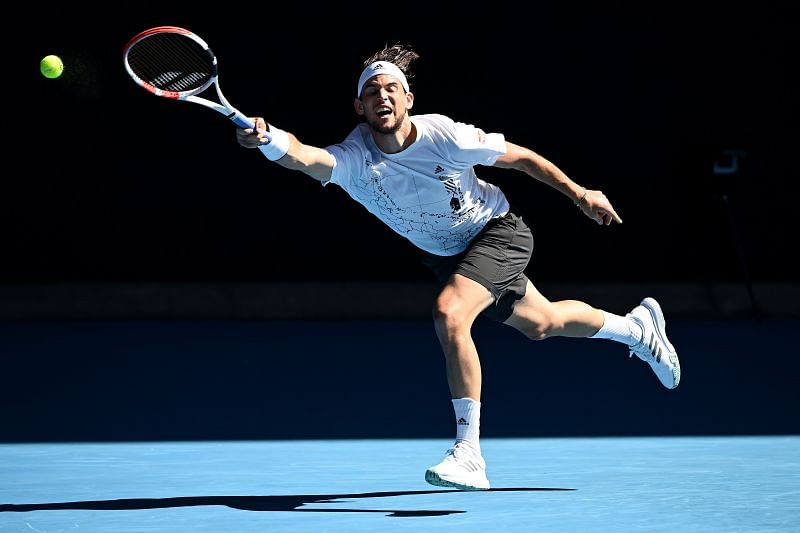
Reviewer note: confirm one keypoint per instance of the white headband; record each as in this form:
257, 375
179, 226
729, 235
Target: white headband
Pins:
381, 67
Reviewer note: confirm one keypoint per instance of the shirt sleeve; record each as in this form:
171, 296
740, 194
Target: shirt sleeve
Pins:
348, 161
476, 147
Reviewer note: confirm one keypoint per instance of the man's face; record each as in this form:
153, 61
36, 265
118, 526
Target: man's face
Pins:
384, 103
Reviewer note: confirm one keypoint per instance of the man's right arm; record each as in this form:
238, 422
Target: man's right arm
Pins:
315, 162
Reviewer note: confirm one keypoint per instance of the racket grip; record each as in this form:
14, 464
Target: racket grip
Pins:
241, 120
244, 122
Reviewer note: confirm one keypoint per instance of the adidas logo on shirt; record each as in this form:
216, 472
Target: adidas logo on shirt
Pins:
438, 169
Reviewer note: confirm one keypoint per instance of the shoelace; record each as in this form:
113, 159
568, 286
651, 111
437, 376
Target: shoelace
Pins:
458, 452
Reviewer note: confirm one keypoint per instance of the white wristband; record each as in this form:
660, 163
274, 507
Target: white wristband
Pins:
278, 146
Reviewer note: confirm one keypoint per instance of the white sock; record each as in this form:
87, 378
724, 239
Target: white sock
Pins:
468, 421
619, 328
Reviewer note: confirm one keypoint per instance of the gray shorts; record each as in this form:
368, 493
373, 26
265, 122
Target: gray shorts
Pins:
496, 258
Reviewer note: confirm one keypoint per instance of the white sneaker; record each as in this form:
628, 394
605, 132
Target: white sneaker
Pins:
654, 347
461, 468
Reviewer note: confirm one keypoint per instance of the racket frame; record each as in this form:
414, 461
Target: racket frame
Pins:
223, 107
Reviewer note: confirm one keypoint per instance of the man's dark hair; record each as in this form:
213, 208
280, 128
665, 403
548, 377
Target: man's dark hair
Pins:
400, 54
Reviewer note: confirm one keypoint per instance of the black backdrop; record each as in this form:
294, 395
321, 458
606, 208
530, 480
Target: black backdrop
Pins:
104, 182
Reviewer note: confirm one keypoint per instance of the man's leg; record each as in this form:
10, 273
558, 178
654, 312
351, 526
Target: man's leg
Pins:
454, 312
539, 318
643, 330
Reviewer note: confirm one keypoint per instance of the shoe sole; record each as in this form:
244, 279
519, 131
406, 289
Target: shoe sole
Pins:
435, 479
661, 330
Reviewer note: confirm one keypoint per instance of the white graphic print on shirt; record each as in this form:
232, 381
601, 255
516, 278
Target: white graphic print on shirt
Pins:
429, 192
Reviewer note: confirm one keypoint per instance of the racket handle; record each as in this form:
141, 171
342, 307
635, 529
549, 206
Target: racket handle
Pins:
240, 120
244, 122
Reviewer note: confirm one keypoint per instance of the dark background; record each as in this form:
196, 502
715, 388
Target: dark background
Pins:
143, 249
105, 182
144, 380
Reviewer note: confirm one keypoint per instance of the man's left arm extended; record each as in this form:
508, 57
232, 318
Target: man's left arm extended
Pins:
593, 203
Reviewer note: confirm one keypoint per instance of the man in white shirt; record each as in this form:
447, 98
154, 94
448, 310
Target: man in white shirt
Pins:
417, 175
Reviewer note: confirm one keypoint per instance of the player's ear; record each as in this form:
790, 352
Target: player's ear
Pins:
359, 106
409, 100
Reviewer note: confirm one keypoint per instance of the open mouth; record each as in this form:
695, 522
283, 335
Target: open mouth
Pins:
383, 112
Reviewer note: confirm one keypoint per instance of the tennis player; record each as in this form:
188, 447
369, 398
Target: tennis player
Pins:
417, 175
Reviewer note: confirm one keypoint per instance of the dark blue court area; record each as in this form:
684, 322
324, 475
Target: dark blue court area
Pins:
288, 425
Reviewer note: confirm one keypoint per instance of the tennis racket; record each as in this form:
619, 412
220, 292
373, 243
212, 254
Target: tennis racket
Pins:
174, 63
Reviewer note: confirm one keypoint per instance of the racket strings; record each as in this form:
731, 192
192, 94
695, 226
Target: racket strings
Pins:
171, 62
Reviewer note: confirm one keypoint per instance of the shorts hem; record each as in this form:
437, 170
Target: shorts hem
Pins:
474, 276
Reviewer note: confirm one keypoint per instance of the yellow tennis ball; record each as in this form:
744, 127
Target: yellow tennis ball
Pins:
51, 66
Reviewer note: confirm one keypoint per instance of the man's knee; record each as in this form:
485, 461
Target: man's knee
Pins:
448, 311
453, 314
459, 303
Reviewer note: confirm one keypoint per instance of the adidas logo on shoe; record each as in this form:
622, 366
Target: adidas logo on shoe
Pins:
462, 422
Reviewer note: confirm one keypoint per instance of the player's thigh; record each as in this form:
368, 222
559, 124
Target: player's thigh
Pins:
532, 312
462, 298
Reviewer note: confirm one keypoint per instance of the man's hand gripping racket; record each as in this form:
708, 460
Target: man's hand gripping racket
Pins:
174, 63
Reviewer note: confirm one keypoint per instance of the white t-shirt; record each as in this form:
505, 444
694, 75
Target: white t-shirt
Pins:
428, 193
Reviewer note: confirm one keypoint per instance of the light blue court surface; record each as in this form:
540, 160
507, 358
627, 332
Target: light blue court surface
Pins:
708, 484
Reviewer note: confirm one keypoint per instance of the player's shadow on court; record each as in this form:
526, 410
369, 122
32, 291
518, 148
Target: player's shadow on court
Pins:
255, 503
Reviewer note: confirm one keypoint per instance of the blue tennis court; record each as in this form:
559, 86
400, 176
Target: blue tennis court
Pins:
592, 484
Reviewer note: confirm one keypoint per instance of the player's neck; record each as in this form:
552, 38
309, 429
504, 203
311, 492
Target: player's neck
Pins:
392, 143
